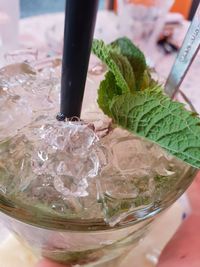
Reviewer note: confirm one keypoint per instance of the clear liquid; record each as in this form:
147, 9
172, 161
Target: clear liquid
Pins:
66, 170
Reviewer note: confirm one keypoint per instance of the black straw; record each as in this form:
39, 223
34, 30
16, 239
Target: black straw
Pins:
80, 18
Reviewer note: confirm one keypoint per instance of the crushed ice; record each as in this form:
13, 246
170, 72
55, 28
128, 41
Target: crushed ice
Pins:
64, 151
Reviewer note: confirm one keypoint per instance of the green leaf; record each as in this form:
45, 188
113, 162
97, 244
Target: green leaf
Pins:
147, 112
107, 90
125, 47
152, 115
117, 64
147, 81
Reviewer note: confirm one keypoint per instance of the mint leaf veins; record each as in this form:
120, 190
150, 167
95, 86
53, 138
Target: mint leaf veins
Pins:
136, 58
134, 101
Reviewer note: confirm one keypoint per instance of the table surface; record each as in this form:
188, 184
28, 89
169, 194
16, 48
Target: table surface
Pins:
33, 33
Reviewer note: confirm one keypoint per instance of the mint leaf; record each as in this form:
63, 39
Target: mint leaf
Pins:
125, 47
107, 90
152, 115
117, 64
147, 112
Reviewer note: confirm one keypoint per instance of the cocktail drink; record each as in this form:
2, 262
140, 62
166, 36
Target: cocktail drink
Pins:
84, 192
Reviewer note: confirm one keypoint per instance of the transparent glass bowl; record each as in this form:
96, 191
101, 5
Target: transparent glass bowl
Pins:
77, 241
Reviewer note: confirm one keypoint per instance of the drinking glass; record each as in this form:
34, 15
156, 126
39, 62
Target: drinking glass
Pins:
142, 20
9, 26
106, 213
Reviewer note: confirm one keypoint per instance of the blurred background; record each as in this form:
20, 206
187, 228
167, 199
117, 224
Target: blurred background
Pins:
36, 7
128, 19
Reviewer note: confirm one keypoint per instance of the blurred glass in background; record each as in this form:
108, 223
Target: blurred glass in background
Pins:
185, 7
9, 26
143, 20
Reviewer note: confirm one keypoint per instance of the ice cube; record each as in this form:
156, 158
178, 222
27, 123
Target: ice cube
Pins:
14, 75
15, 113
25, 92
138, 175
65, 151
42, 91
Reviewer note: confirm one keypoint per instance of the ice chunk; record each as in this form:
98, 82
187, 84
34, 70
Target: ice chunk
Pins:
139, 174
15, 113
24, 93
65, 151
14, 75
63, 167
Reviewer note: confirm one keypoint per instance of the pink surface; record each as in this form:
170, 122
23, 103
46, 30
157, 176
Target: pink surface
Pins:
183, 248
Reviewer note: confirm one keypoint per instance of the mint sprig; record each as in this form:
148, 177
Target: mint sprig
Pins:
146, 111
105, 95
136, 58
117, 64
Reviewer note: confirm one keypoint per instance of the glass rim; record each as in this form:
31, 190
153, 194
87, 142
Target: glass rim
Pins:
36, 217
